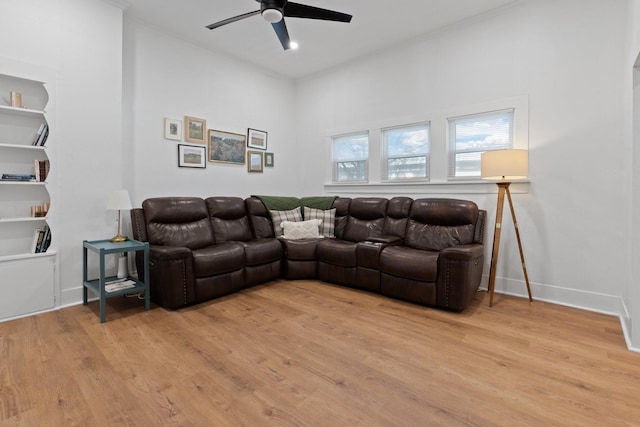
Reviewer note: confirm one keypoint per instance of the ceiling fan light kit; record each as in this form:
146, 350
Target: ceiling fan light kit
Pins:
272, 15
274, 11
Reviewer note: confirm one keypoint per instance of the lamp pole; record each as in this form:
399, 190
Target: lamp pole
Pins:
503, 187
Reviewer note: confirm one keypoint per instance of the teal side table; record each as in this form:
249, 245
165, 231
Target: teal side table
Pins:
97, 286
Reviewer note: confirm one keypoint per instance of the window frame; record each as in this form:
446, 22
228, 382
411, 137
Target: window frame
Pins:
451, 141
335, 162
384, 158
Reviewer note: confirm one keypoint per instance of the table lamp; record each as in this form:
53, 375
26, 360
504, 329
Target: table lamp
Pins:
119, 200
504, 166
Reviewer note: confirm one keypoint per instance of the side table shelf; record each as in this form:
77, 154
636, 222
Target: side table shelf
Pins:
97, 286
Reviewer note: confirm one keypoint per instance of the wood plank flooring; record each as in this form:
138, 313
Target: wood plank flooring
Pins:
305, 353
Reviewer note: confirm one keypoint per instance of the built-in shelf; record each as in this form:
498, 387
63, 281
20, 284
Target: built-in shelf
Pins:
29, 281
23, 219
15, 257
20, 111
8, 182
23, 147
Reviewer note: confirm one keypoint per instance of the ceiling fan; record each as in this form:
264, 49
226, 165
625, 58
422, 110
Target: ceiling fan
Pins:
274, 11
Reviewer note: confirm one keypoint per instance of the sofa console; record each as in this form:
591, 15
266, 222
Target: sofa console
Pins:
425, 251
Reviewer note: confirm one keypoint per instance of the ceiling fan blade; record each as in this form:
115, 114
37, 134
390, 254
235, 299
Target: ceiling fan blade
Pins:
234, 19
296, 10
281, 31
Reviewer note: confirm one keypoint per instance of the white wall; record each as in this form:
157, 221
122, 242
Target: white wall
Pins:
167, 77
631, 293
566, 57
81, 41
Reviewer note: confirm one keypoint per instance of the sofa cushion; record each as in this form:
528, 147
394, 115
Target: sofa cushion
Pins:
328, 217
219, 259
337, 252
341, 204
415, 264
366, 218
293, 215
262, 251
229, 219
300, 250
178, 221
301, 230
436, 224
398, 209
260, 218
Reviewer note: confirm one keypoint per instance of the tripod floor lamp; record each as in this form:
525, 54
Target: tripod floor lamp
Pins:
504, 166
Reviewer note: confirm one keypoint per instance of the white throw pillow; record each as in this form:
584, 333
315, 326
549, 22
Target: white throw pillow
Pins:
278, 217
301, 230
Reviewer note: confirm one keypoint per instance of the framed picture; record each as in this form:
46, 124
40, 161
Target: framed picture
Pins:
173, 129
268, 160
194, 129
255, 161
257, 139
190, 156
226, 147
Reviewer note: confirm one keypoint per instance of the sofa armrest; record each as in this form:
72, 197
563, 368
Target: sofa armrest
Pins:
368, 251
167, 253
463, 252
459, 275
171, 276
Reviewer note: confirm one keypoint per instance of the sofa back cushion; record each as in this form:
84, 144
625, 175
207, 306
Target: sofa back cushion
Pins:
436, 224
397, 216
229, 219
178, 221
341, 205
259, 217
366, 218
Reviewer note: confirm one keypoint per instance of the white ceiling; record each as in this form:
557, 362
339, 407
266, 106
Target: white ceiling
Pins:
376, 25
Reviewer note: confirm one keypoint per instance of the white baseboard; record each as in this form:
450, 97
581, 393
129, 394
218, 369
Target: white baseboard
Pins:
592, 301
71, 297
625, 321
611, 305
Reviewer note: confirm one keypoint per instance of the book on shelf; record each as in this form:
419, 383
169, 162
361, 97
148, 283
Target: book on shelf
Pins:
44, 136
36, 139
41, 169
18, 177
34, 242
41, 240
46, 240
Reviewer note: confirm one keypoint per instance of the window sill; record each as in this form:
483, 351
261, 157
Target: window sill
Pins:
453, 187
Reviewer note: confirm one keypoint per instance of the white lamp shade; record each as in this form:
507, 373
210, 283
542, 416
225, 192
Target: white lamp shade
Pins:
119, 200
504, 164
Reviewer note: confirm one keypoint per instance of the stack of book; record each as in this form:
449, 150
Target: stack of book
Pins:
41, 240
41, 135
18, 177
42, 169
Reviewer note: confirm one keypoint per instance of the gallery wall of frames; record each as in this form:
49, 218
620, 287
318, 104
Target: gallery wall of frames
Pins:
202, 146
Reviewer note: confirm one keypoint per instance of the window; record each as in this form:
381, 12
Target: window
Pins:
406, 152
470, 136
350, 156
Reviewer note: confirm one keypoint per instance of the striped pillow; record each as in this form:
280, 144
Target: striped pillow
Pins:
328, 217
294, 215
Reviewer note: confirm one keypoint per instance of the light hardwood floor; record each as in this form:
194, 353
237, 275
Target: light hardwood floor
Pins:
304, 353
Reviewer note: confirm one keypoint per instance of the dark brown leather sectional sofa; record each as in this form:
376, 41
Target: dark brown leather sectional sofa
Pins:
426, 251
